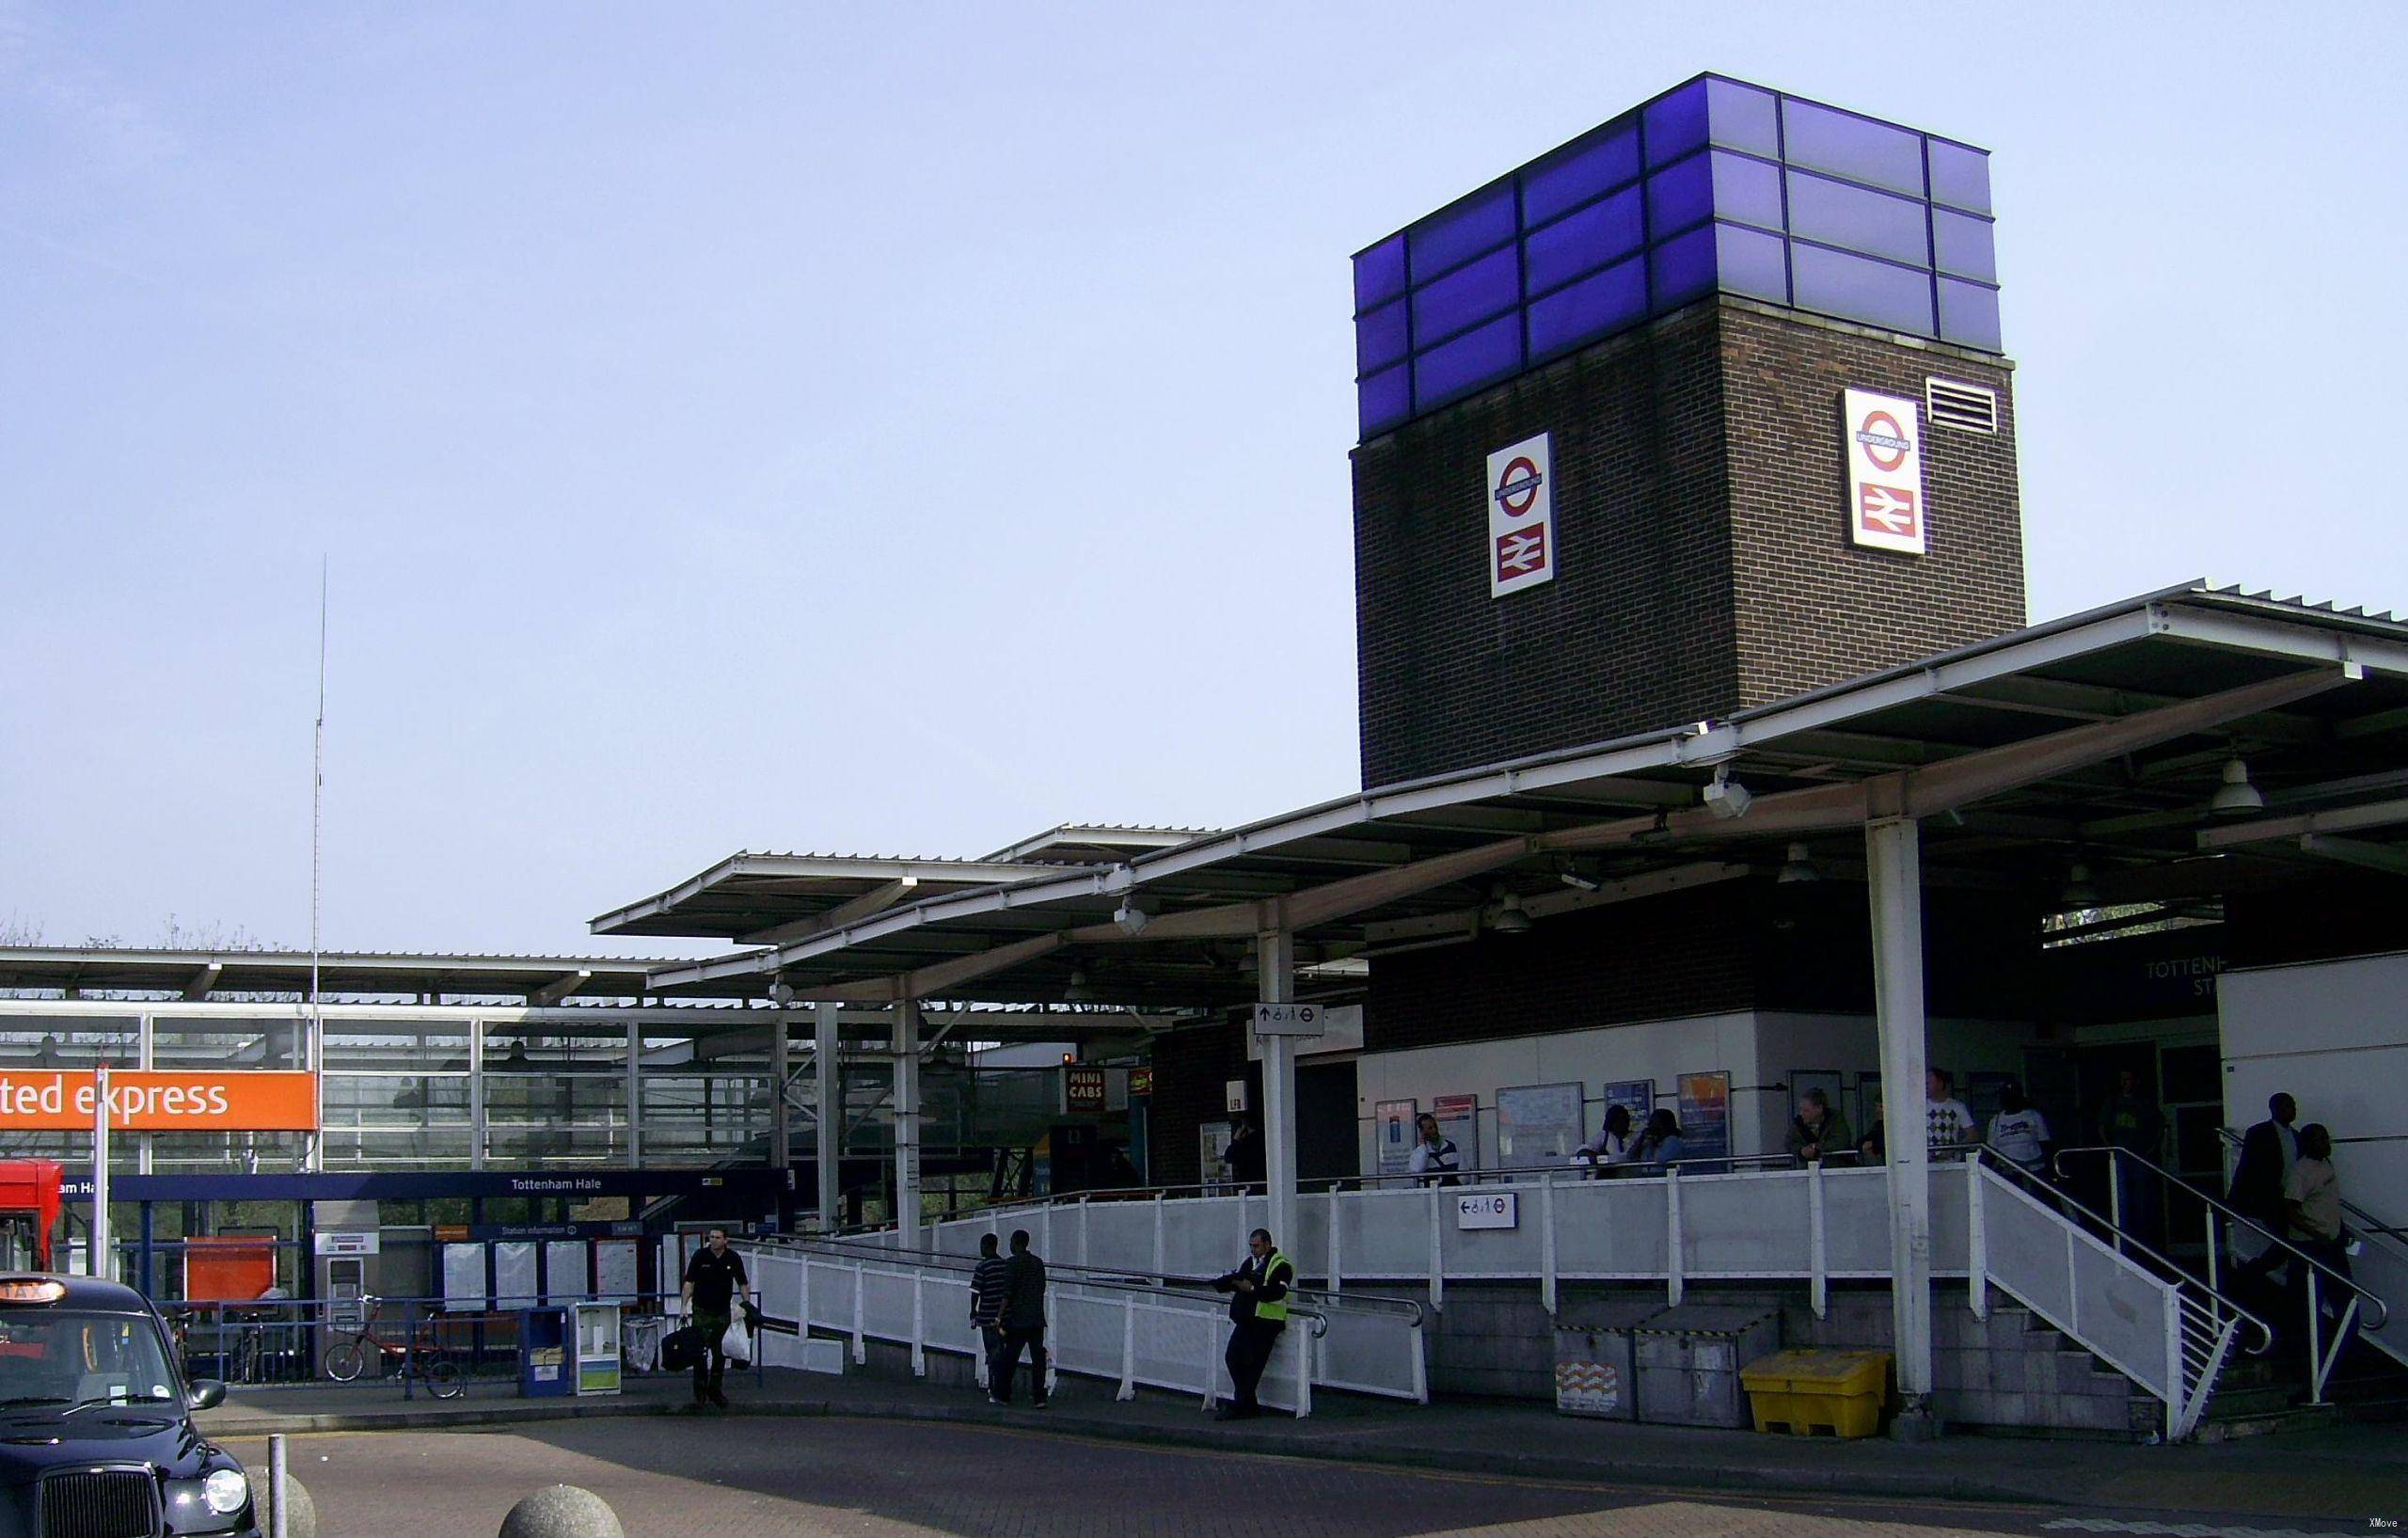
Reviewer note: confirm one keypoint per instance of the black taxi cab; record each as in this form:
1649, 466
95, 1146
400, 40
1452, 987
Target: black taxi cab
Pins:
96, 1438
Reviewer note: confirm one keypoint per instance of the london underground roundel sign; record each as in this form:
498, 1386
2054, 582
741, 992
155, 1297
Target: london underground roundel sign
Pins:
1880, 437
1521, 517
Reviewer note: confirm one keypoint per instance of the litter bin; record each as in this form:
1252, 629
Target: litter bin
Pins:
1837, 1393
1592, 1357
639, 1342
546, 1343
1687, 1362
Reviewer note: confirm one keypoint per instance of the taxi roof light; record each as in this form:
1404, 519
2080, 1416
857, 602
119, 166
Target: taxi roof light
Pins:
28, 1289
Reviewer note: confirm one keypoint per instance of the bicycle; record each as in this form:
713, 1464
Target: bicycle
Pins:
347, 1358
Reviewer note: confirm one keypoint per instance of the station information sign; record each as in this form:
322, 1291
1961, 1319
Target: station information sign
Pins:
1883, 436
158, 1101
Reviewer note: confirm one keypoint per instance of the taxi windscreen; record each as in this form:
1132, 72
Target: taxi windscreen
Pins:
72, 1359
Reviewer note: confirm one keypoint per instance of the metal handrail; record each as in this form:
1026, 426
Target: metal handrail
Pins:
2180, 1277
2219, 1205
2366, 1222
1109, 1281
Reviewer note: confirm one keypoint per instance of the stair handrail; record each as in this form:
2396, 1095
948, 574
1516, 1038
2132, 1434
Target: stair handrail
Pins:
2173, 1273
2366, 1222
2217, 1204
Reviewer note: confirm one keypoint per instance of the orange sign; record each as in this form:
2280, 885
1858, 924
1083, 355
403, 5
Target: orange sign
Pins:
141, 1101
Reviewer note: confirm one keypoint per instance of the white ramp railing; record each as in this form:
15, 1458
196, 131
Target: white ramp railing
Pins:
1815, 1224
1113, 1328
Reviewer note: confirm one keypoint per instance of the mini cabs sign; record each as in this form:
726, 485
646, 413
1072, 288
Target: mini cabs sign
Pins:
149, 1100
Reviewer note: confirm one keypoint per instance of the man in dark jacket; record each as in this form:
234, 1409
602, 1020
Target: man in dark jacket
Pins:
1024, 1323
1245, 1155
990, 1284
1258, 1291
2268, 1150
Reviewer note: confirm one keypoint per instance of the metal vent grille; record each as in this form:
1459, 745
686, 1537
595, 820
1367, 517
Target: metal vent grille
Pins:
100, 1503
1968, 408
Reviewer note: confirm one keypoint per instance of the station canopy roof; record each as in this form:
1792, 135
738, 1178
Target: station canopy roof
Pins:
2103, 739
200, 974
765, 899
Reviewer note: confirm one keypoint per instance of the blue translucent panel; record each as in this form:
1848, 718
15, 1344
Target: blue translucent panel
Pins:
1581, 242
1968, 314
1487, 287
1679, 197
1747, 189
1383, 399
1581, 174
1750, 262
1675, 124
1467, 363
1471, 227
1684, 267
1859, 149
1379, 272
1593, 307
1839, 215
1379, 338
1960, 175
1861, 288
1744, 118
1962, 244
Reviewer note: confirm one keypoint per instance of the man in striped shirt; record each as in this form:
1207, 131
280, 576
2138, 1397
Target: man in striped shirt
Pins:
987, 1285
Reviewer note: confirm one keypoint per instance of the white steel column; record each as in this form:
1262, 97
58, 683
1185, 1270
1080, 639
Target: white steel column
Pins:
830, 1128
907, 1123
1275, 955
1894, 866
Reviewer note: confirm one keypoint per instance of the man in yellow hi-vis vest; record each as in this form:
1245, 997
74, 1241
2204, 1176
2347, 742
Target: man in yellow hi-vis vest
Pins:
1257, 1312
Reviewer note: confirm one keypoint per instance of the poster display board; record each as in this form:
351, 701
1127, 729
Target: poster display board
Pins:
614, 1270
464, 1278
1637, 1096
1211, 1138
1392, 1133
1539, 1124
564, 1278
1705, 1116
1458, 1122
1868, 1104
513, 1274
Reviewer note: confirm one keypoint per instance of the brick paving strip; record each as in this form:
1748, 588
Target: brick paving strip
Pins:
2347, 1474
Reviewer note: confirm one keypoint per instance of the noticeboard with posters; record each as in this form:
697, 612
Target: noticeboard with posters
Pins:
1211, 1138
1392, 1133
1705, 1116
1637, 1096
1538, 1123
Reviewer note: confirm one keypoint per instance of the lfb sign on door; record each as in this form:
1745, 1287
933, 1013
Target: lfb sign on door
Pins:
1521, 517
1882, 436
1488, 1209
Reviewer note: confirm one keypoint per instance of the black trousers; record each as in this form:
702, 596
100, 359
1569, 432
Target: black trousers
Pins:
1251, 1343
1014, 1337
710, 1365
990, 1339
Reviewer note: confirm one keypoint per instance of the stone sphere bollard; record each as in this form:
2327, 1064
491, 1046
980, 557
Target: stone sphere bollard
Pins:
300, 1522
563, 1510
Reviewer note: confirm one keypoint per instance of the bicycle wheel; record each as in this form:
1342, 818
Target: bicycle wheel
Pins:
344, 1360
443, 1378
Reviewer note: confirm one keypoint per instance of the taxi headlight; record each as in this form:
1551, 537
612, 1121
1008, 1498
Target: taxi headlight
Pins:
226, 1490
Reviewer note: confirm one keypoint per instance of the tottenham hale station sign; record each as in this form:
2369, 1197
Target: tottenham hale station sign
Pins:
145, 1101
1884, 442
1521, 517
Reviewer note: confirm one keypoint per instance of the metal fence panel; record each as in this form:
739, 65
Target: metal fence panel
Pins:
1611, 1230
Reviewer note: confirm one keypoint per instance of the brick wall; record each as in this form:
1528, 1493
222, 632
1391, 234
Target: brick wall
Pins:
1192, 1068
1700, 534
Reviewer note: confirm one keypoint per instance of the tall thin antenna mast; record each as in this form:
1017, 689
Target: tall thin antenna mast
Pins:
317, 796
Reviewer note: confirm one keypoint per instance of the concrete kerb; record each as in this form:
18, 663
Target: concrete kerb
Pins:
1618, 1469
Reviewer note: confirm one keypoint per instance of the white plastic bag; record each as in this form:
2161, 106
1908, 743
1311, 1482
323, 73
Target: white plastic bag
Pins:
737, 1342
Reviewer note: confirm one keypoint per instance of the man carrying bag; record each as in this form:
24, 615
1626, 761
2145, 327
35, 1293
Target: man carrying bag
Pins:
713, 1277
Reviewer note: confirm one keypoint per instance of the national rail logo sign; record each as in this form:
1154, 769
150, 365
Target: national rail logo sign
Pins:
1883, 435
1521, 517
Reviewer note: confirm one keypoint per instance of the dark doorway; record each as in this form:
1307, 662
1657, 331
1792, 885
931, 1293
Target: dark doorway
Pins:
1328, 1142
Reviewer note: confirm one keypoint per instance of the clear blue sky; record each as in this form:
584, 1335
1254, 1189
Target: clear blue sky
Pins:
900, 429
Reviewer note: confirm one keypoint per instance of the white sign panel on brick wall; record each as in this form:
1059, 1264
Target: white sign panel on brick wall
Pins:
1883, 436
1521, 517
